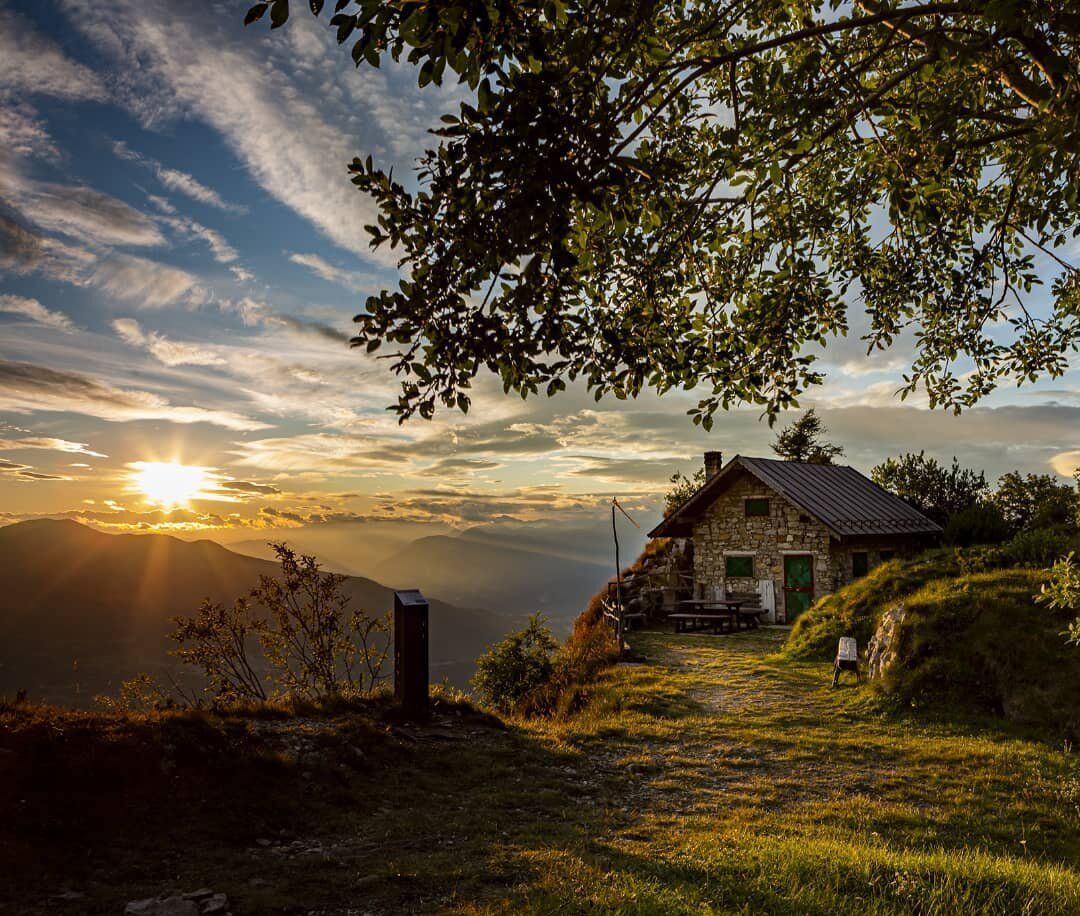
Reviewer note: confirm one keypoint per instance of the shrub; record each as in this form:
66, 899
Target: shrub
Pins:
515, 667
982, 523
589, 650
1038, 549
141, 694
1061, 592
312, 645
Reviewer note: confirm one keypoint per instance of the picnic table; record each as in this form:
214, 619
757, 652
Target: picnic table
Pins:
705, 612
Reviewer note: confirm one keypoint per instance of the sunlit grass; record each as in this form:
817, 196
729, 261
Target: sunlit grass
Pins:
717, 776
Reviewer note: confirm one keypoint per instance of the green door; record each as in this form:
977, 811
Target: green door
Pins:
798, 584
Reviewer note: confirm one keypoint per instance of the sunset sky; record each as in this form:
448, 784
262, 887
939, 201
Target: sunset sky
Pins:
181, 254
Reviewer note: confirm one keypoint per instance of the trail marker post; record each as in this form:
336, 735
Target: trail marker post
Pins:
411, 653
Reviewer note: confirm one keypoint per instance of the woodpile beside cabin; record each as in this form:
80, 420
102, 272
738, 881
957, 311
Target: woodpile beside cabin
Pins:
789, 531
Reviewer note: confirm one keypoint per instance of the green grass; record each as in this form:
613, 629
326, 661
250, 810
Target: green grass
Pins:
718, 776
974, 639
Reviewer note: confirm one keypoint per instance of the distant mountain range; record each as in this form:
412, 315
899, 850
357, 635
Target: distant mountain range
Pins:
511, 567
81, 610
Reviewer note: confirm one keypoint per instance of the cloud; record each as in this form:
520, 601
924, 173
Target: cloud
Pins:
320, 452
521, 504
255, 313
50, 444
85, 214
168, 352
147, 283
1066, 463
26, 388
178, 181
630, 470
170, 66
22, 133
349, 279
38, 475
458, 467
162, 204
26, 472
32, 63
34, 311
249, 488
23, 250
222, 251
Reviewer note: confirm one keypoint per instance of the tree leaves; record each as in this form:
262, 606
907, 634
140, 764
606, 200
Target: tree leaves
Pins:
694, 196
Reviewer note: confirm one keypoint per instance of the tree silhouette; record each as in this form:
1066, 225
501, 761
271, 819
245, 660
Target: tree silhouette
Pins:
801, 441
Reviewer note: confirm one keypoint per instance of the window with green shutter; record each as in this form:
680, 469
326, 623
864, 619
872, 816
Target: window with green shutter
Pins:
860, 564
739, 567
757, 508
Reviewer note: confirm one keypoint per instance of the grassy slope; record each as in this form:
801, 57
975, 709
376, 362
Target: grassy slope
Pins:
717, 776
971, 639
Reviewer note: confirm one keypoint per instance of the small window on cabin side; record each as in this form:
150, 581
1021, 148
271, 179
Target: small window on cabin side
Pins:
739, 567
887, 555
860, 564
757, 508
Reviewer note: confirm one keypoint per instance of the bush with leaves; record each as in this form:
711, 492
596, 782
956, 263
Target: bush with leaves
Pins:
938, 491
513, 668
981, 523
1062, 592
140, 694
294, 633
1034, 501
1035, 549
682, 488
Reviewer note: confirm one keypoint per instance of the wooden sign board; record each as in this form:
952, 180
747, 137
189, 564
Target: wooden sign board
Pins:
849, 649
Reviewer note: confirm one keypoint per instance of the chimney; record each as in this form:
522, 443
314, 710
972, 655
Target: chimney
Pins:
713, 462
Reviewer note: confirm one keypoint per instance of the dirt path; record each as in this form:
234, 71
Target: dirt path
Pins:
729, 676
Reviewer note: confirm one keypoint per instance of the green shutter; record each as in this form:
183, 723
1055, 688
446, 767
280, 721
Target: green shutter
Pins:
739, 567
860, 564
757, 508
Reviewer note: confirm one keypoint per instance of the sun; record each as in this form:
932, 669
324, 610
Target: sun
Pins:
168, 483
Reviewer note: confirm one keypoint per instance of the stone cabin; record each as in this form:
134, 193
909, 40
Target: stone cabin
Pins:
790, 531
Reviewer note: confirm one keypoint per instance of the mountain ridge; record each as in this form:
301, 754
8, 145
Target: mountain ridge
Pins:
83, 609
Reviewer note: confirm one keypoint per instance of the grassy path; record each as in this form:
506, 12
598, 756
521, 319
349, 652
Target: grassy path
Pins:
715, 777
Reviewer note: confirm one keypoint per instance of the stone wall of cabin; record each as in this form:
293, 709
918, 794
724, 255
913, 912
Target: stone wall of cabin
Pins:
725, 528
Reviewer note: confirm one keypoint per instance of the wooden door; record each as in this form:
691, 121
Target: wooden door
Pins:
798, 584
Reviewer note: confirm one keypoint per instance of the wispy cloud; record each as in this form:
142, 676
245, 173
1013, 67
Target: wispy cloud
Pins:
174, 67
168, 352
50, 444
34, 311
84, 214
222, 251
350, 279
32, 63
175, 180
26, 388
146, 283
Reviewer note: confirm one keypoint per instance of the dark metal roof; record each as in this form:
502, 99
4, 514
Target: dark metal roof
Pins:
845, 501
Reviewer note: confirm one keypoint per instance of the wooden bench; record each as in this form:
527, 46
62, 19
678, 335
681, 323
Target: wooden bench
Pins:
750, 610
720, 621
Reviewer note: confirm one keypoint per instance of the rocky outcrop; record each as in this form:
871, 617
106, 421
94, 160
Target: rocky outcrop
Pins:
885, 643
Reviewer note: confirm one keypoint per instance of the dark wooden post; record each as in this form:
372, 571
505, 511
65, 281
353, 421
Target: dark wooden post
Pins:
411, 652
